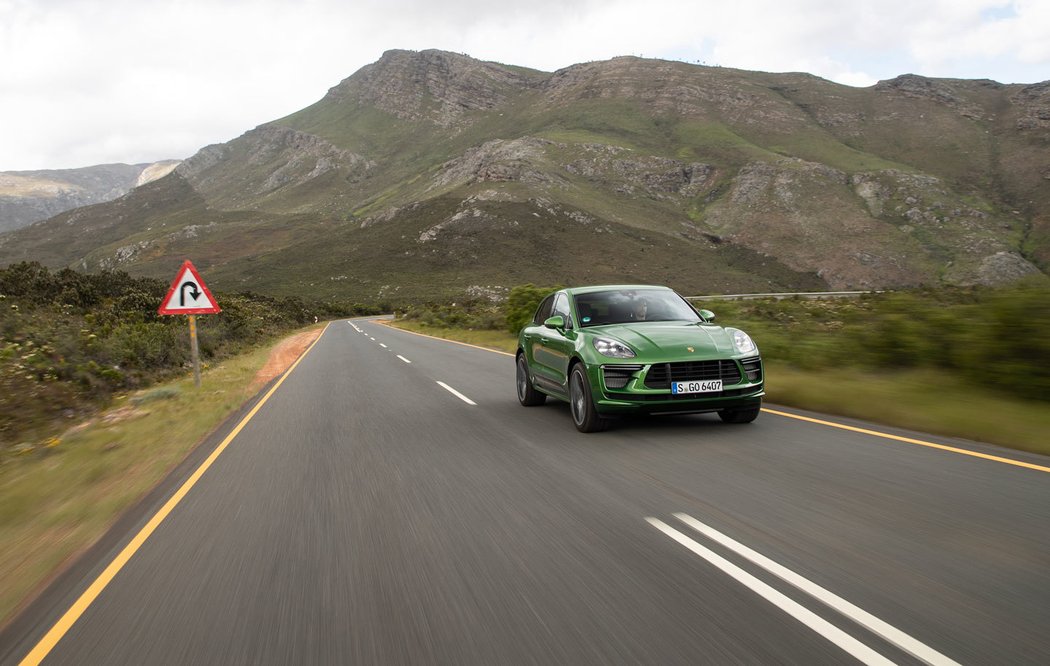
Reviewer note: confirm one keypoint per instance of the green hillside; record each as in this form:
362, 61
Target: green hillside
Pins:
428, 174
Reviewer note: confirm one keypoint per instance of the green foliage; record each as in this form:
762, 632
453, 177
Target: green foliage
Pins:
995, 338
70, 341
471, 315
521, 304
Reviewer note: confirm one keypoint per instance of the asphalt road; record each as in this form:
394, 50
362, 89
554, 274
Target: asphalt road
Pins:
367, 514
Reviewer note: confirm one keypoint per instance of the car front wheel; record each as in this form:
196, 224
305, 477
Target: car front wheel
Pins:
584, 414
527, 395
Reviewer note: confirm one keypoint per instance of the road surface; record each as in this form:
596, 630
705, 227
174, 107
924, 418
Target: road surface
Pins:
391, 502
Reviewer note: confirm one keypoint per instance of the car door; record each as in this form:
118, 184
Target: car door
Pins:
530, 335
551, 356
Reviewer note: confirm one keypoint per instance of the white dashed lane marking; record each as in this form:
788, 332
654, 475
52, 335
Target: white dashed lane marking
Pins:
456, 393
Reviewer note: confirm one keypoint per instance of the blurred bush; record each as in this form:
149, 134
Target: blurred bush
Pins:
521, 305
996, 338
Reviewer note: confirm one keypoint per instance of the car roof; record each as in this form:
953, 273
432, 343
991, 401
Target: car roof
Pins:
613, 287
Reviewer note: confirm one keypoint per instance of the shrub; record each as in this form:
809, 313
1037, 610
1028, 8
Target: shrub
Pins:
70, 340
521, 305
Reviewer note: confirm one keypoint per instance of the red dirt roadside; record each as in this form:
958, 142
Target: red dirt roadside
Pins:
283, 355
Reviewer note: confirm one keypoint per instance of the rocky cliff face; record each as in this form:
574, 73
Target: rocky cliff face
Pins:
431, 86
31, 196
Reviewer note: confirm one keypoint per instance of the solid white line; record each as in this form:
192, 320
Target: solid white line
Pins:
851, 645
383, 346
403, 358
456, 393
902, 640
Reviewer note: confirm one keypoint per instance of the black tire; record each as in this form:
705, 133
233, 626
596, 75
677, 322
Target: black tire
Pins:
744, 415
584, 414
527, 394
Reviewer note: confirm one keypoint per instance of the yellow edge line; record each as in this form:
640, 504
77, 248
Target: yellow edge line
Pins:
434, 337
909, 440
48, 642
830, 424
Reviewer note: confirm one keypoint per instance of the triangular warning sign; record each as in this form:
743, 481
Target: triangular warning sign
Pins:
188, 294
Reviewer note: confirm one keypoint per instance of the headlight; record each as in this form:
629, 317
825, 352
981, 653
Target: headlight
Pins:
742, 341
612, 348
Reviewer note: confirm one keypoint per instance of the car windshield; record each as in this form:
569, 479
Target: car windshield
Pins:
620, 306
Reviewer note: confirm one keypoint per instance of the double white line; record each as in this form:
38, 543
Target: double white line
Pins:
829, 631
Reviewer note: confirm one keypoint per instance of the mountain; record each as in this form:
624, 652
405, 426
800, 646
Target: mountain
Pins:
31, 196
430, 174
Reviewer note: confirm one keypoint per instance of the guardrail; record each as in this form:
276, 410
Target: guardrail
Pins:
802, 294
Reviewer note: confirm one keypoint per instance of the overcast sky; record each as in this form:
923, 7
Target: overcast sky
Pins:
86, 82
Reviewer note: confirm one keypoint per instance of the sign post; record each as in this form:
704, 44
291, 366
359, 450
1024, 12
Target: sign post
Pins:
189, 296
194, 353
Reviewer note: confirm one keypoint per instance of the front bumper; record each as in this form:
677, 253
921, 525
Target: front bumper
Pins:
629, 389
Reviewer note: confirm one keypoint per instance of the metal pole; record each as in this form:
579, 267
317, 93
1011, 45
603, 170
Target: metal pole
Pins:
193, 351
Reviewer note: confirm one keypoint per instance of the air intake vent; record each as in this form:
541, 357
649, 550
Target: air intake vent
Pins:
617, 376
752, 369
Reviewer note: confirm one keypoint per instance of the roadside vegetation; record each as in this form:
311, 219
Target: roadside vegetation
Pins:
97, 403
971, 363
70, 343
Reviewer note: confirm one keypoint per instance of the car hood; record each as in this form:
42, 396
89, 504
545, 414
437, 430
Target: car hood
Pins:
667, 341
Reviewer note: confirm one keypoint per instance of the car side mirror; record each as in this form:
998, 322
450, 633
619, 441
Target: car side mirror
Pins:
557, 321
708, 315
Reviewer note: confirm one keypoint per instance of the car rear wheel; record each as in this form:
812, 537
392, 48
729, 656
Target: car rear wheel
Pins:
527, 395
745, 415
584, 414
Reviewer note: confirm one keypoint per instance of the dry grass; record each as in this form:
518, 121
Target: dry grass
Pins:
923, 400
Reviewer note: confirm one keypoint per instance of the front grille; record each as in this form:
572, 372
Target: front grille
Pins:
661, 375
617, 376
752, 368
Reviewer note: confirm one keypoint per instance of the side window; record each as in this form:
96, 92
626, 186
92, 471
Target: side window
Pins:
561, 307
544, 311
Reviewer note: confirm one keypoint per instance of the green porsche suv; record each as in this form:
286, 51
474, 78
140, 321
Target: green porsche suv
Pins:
635, 349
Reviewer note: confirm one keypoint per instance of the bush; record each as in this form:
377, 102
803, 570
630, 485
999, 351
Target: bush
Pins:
521, 305
72, 340
993, 337
474, 315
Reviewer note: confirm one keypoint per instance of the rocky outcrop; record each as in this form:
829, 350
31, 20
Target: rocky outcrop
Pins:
265, 160
912, 224
942, 91
1003, 267
433, 86
499, 161
653, 176
1034, 104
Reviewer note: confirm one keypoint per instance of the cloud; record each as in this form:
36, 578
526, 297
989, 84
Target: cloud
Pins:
90, 81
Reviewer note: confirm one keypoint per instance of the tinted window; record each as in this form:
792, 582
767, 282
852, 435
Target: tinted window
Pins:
631, 305
544, 311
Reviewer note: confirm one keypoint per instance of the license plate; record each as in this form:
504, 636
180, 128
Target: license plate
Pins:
710, 386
